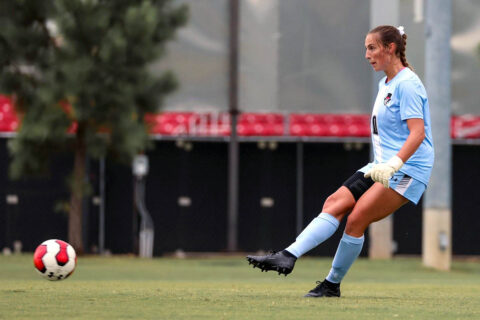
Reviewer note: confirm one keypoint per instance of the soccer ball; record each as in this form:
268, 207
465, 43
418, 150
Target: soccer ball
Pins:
55, 259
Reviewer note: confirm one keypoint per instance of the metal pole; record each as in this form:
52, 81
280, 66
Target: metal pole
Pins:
101, 222
299, 221
147, 228
437, 205
232, 227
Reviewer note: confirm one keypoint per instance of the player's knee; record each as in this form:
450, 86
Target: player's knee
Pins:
338, 205
331, 201
355, 226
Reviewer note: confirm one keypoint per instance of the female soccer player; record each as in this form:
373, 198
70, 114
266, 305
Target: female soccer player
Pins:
403, 160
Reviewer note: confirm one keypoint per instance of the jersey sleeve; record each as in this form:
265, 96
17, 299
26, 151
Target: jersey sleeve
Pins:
410, 100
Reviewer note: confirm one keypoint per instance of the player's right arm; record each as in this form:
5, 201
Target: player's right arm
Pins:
382, 172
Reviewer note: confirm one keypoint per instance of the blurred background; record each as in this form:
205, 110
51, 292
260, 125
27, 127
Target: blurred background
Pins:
299, 80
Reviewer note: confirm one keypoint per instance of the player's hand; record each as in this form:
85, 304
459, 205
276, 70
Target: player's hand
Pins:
382, 172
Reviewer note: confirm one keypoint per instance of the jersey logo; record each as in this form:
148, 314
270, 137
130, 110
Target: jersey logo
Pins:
387, 99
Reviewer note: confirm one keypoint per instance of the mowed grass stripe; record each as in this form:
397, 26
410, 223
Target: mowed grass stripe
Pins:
227, 288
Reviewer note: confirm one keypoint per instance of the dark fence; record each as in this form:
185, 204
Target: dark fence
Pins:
186, 194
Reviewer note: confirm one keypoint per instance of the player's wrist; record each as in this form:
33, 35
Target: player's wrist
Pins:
395, 162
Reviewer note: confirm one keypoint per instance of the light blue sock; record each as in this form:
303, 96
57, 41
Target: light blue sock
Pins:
347, 252
320, 229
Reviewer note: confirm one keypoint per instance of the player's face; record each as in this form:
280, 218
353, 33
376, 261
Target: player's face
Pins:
376, 54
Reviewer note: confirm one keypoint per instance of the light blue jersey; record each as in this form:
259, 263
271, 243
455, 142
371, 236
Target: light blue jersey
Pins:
404, 97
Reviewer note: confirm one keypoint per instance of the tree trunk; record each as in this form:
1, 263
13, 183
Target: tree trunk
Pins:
77, 190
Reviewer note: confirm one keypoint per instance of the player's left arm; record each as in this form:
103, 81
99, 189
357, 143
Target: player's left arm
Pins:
414, 139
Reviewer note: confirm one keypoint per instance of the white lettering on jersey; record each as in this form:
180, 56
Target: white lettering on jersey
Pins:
376, 142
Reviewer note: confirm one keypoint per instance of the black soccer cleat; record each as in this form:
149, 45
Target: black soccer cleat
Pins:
281, 262
324, 289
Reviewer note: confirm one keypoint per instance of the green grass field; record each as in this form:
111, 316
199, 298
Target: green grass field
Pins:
227, 288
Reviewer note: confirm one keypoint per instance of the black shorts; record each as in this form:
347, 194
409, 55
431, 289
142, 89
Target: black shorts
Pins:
358, 184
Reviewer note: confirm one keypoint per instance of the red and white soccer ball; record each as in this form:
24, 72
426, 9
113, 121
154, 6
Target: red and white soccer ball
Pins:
55, 259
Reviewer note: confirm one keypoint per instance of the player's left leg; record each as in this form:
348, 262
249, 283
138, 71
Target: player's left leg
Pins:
320, 229
375, 204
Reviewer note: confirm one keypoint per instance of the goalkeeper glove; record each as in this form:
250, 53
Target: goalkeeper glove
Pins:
382, 172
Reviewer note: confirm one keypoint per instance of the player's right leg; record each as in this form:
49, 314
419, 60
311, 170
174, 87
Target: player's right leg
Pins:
320, 229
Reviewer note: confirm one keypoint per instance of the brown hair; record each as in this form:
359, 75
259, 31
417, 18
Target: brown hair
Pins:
391, 34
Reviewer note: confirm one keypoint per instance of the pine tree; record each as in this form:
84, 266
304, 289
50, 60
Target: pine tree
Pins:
77, 71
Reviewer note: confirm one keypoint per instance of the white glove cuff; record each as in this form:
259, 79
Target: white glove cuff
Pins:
395, 162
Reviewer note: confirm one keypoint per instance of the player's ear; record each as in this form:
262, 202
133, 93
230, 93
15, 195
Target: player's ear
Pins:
392, 47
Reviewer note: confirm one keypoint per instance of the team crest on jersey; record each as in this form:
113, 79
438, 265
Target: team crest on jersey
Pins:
387, 99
